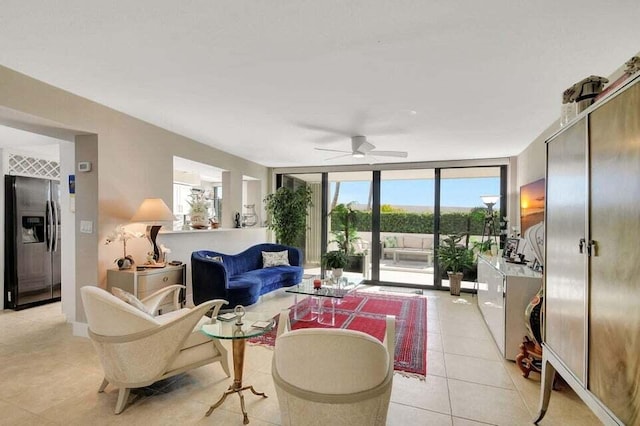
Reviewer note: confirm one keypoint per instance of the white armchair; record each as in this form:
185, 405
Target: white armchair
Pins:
136, 349
333, 376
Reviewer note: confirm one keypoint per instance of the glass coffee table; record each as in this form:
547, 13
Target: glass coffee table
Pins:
253, 324
314, 309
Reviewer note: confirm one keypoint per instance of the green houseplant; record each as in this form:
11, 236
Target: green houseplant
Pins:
287, 210
336, 260
345, 235
454, 257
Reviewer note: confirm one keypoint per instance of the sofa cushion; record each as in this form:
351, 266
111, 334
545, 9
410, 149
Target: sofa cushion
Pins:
390, 242
427, 242
412, 242
275, 258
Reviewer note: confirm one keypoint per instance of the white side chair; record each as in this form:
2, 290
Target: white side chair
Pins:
137, 349
333, 376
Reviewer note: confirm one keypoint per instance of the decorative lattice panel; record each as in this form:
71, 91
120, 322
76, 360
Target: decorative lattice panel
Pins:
34, 167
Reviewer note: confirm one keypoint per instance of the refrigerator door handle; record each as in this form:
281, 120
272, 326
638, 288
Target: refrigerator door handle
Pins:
54, 226
49, 227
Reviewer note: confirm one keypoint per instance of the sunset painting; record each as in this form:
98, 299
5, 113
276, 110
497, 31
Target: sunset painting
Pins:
531, 205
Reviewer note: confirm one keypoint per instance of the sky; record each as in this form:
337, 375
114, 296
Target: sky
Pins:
454, 192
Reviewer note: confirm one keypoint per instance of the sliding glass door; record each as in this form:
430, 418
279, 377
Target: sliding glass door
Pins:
406, 226
391, 222
349, 220
463, 213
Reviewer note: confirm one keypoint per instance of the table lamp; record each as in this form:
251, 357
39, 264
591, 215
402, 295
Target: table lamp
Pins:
490, 201
153, 211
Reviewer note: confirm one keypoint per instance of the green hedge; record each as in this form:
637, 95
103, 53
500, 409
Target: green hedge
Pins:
420, 223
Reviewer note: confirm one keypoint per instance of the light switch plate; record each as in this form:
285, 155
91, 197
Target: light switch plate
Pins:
86, 226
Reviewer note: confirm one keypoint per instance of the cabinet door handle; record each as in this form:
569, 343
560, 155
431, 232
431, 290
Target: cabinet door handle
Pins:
592, 248
165, 279
581, 245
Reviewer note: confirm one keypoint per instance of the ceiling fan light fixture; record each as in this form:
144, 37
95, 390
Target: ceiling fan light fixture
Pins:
358, 154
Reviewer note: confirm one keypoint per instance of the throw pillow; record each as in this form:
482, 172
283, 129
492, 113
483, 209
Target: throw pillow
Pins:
275, 258
215, 258
129, 298
390, 242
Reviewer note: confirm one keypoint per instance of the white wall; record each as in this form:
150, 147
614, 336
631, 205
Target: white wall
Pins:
132, 160
68, 231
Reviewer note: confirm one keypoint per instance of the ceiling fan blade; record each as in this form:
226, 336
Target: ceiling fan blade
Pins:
400, 154
338, 156
332, 150
324, 129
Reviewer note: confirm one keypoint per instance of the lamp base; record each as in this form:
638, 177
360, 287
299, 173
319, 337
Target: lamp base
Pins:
152, 234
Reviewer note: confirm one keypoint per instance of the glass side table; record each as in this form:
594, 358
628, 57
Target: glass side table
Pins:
253, 324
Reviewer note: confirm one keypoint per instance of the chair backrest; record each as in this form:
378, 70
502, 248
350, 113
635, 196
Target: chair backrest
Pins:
331, 361
107, 315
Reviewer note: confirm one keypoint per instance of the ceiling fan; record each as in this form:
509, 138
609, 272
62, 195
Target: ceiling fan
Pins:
360, 148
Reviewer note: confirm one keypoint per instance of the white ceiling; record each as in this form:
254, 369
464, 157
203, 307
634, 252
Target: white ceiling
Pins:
256, 78
19, 140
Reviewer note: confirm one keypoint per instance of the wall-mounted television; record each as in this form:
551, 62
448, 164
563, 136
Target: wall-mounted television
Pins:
531, 205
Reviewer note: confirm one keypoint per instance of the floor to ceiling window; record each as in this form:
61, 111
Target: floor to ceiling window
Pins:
406, 226
349, 220
311, 242
462, 212
391, 222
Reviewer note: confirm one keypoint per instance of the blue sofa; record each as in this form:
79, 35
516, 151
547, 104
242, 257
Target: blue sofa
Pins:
240, 278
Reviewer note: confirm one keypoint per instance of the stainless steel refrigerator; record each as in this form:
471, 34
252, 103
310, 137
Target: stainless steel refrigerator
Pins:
32, 242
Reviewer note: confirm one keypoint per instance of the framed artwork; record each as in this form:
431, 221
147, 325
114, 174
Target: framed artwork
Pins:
510, 247
531, 205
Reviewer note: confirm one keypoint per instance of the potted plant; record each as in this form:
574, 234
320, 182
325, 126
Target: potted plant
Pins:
345, 236
336, 260
454, 257
199, 209
287, 212
120, 233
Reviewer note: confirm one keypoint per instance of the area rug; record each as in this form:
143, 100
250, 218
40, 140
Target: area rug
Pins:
367, 312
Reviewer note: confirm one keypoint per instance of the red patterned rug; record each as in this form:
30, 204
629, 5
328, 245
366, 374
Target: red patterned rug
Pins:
366, 312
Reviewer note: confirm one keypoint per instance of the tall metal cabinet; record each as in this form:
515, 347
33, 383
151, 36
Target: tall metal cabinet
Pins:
592, 267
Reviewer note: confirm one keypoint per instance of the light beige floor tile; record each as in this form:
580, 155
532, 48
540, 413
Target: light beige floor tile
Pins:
38, 352
11, 415
463, 328
487, 404
404, 415
435, 364
53, 387
457, 421
477, 370
430, 394
434, 342
467, 346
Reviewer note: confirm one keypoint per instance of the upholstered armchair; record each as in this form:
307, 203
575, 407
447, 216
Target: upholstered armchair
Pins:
137, 349
333, 376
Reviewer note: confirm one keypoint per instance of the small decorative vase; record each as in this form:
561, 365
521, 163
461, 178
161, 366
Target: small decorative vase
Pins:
336, 273
125, 262
199, 220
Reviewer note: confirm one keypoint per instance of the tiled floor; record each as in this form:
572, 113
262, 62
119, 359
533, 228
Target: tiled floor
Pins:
49, 377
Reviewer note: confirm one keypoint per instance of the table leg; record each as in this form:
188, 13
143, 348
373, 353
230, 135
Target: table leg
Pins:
333, 313
238, 347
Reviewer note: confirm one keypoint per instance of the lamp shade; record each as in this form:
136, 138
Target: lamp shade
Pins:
490, 199
153, 210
